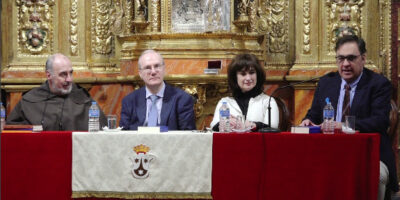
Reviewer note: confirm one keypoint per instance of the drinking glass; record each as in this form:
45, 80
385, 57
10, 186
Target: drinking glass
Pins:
240, 123
349, 125
112, 121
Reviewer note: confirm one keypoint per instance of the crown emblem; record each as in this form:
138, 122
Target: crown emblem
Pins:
141, 149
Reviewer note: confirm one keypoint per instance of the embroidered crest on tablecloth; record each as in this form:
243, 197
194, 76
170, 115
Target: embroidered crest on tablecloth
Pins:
141, 161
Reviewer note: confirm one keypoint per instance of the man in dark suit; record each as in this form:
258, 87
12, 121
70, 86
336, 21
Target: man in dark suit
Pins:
369, 101
156, 104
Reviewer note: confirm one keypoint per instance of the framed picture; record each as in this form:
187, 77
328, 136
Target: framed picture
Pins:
200, 16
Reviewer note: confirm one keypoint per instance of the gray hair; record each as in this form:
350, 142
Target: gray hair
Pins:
147, 52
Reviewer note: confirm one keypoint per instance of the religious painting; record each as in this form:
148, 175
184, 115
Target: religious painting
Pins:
200, 16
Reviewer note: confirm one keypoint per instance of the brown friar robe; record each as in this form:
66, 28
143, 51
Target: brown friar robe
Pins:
41, 107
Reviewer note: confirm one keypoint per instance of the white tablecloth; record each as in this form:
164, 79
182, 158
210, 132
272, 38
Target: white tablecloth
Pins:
179, 164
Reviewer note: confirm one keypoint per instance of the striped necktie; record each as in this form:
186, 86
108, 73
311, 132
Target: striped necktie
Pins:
346, 101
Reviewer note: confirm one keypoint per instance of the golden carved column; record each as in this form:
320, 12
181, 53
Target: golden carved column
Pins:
74, 28
277, 24
105, 20
155, 18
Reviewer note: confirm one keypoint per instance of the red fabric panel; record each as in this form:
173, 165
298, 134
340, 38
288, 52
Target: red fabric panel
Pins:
321, 167
36, 166
237, 166
300, 166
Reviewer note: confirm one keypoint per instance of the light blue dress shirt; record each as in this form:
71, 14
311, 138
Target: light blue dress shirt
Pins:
160, 94
339, 107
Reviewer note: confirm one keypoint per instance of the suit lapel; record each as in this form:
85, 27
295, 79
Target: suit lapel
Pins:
167, 104
358, 95
141, 110
335, 91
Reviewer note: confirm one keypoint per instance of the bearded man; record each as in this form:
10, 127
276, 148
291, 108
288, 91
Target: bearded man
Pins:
58, 104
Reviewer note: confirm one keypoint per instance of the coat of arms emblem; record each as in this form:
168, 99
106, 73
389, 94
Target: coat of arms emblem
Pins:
141, 161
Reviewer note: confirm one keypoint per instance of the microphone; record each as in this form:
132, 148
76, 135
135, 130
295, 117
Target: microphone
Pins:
269, 129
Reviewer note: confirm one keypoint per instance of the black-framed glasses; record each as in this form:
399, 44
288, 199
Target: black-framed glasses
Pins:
349, 58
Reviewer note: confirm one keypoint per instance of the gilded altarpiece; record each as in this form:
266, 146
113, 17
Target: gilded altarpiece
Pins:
293, 39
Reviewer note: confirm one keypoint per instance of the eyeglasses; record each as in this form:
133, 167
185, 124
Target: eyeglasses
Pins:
156, 68
349, 58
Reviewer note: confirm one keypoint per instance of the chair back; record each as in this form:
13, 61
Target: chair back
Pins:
205, 123
284, 115
393, 133
392, 130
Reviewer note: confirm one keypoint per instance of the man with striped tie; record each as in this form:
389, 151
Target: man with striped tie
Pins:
358, 91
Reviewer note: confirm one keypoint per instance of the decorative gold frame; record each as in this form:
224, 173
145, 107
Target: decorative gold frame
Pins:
289, 36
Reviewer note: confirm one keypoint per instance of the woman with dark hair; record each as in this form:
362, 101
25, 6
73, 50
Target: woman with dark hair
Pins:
246, 81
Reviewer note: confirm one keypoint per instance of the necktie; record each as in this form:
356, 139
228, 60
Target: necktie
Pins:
346, 101
153, 113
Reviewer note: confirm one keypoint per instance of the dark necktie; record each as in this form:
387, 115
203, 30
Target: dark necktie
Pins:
346, 101
153, 113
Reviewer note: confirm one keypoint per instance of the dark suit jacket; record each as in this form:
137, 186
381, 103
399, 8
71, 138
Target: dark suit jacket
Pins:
370, 106
176, 112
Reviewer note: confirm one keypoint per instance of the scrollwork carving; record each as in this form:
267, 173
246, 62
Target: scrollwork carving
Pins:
307, 26
262, 24
73, 31
34, 26
141, 13
344, 19
116, 17
128, 17
252, 16
275, 24
101, 39
155, 16
242, 9
140, 10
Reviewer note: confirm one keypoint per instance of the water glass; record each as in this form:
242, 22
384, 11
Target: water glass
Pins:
349, 125
112, 121
239, 122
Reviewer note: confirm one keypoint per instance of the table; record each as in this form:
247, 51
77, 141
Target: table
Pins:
245, 166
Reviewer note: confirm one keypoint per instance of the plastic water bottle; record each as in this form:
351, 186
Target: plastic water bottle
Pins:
3, 116
94, 115
328, 126
224, 115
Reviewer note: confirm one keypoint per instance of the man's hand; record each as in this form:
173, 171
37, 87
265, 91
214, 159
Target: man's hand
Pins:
307, 122
338, 125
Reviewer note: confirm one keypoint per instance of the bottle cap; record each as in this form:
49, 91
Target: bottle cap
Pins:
327, 100
94, 103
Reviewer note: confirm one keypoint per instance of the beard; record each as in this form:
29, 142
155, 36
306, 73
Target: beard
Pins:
62, 91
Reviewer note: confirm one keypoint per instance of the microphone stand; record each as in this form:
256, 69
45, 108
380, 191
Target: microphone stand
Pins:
269, 129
